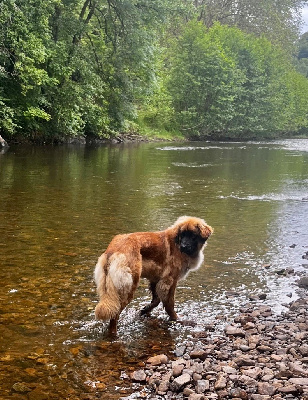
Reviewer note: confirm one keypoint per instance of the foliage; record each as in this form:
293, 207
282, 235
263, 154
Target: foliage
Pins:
97, 67
74, 66
228, 83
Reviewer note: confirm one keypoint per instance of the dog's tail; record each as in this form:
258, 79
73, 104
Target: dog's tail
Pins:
114, 283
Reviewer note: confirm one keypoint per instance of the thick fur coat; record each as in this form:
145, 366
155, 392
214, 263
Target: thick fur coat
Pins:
162, 257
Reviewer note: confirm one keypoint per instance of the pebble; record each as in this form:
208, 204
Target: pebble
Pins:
259, 356
158, 360
21, 387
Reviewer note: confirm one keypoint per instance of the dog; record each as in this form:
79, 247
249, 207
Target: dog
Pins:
163, 257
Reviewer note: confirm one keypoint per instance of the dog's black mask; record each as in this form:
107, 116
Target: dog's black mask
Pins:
189, 243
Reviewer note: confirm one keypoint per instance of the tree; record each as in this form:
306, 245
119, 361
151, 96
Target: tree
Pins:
73, 67
224, 82
279, 20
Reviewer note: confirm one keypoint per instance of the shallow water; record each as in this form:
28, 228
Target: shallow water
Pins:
59, 208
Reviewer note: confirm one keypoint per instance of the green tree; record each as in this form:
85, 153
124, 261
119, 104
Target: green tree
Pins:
73, 67
224, 82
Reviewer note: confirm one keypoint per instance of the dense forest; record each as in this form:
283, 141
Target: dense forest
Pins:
196, 68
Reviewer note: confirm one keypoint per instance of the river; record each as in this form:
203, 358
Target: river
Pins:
60, 207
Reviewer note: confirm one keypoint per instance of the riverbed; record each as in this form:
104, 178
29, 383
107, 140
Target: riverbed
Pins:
60, 207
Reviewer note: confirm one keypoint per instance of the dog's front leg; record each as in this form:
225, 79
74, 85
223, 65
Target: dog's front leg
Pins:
169, 305
166, 290
155, 300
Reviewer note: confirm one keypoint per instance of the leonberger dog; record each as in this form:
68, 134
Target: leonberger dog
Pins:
163, 257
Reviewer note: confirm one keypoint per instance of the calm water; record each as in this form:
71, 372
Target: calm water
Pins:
59, 208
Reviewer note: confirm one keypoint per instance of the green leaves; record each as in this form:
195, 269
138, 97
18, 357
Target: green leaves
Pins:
226, 83
94, 67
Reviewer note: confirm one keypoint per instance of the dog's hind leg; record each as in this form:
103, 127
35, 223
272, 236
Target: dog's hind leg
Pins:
155, 300
113, 325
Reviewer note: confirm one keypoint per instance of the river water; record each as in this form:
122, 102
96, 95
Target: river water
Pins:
59, 208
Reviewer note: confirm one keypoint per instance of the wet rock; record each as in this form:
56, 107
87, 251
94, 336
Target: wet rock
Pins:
232, 293
260, 397
229, 370
198, 353
303, 350
303, 282
158, 360
289, 389
180, 381
305, 256
253, 297
253, 372
299, 381
163, 386
179, 351
187, 391
239, 393
196, 396
266, 389
21, 387
281, 271
244, 361
298, 370
234, 331
220, 383
177, 370
138, 376
264, 348
37, 394
202, 386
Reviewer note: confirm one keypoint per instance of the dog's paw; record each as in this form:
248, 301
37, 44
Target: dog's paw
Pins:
186, 322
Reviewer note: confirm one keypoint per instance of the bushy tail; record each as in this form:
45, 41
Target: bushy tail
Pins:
114, 281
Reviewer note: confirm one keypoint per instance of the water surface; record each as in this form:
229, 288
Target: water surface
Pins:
60, 207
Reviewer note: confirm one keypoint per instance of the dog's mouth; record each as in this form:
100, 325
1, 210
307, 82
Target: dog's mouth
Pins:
188, 250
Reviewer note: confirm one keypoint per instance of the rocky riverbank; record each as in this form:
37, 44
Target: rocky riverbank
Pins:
259, 356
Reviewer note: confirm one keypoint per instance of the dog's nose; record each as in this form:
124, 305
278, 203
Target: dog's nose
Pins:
184, 247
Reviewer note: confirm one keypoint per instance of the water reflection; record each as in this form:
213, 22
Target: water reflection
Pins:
61, 206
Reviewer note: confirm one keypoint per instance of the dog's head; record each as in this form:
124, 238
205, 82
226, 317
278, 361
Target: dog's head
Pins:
191, 234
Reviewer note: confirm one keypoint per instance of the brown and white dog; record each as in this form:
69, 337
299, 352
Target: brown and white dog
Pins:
162, 257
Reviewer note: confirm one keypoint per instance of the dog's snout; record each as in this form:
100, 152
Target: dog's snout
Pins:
185, 246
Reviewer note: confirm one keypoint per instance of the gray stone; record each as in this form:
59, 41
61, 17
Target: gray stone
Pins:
221, 382
299, 381
180, 381
266, 389
202, 385
234, 331
138, 376
303, 282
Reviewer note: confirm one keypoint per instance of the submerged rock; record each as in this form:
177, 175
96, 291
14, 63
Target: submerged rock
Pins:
303, 282
21, 387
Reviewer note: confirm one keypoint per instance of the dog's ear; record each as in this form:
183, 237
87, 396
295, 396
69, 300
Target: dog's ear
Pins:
205, 230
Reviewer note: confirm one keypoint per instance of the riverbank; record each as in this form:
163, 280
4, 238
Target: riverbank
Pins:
145, 136
258, 356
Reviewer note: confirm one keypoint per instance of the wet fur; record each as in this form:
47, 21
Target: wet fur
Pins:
162, 257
